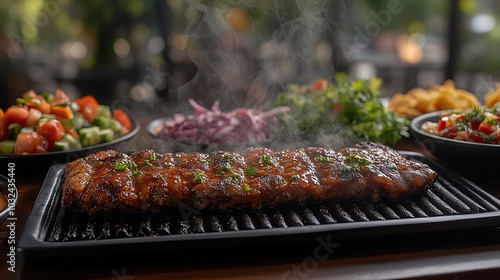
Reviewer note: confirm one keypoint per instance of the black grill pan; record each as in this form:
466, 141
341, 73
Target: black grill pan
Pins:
453, 202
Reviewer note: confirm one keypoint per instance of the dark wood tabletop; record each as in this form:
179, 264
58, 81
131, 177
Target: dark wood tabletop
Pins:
457, 254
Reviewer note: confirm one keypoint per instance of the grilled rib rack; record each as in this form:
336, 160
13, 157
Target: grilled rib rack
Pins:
452, 202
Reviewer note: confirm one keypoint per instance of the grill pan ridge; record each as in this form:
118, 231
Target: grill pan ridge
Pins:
452, 202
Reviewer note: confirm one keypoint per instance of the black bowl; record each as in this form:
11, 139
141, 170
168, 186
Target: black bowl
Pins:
458, 153
42, 162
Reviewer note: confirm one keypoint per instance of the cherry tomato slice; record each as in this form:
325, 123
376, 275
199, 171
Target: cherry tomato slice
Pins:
28, 143
16, 114
89, 107
34, 116
487, 128
319, 84
122, 118
52, 130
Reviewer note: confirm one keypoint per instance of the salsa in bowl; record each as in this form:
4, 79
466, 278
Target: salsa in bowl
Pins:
457, 137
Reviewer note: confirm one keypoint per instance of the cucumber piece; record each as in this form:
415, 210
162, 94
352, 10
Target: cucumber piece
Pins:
66, 123
105, 122
7, 146
79, 121
101, 121
104, 111
106, 135
116, 126
74, 144
27, 130
48, 116
14, 130
89, 136
61, 146
67, 143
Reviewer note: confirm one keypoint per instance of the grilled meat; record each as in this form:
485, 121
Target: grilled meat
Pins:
259, 177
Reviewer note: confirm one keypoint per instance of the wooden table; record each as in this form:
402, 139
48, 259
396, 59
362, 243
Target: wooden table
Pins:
471, 254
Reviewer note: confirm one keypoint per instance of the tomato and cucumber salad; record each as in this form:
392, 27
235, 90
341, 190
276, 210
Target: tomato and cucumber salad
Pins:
479, 125
48, 122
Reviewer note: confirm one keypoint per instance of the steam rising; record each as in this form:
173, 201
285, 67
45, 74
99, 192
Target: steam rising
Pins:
248, 64
285, 44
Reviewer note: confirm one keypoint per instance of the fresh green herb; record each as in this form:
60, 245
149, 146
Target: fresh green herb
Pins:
229, 158
147, 162
223, 169
153, 157
21, 100
324, 159
236, 177
294, 178
252, 171
136, 172
350, 107
198, 178
266, 159
351, 167
247, 188
358, 158
355, 162
120, 165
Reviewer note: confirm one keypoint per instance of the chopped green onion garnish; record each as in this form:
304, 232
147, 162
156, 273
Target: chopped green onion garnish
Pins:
136, 172
153, 157
198, 178
236, 177
120, 165
324, 159
229, 157
252, 171
266, 159
246, 187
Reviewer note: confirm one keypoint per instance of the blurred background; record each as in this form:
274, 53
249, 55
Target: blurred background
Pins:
157, 53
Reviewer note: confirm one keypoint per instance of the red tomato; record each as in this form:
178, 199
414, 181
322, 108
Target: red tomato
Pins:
36, 101
41, 106
474, 123
29, 94
60, 97
3, 127
73, 133
16, 114
319, 85
442, 123
89, 107
122, 118
32, 142
62, 111
52, 130
487, 128
34, 116
475, 137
